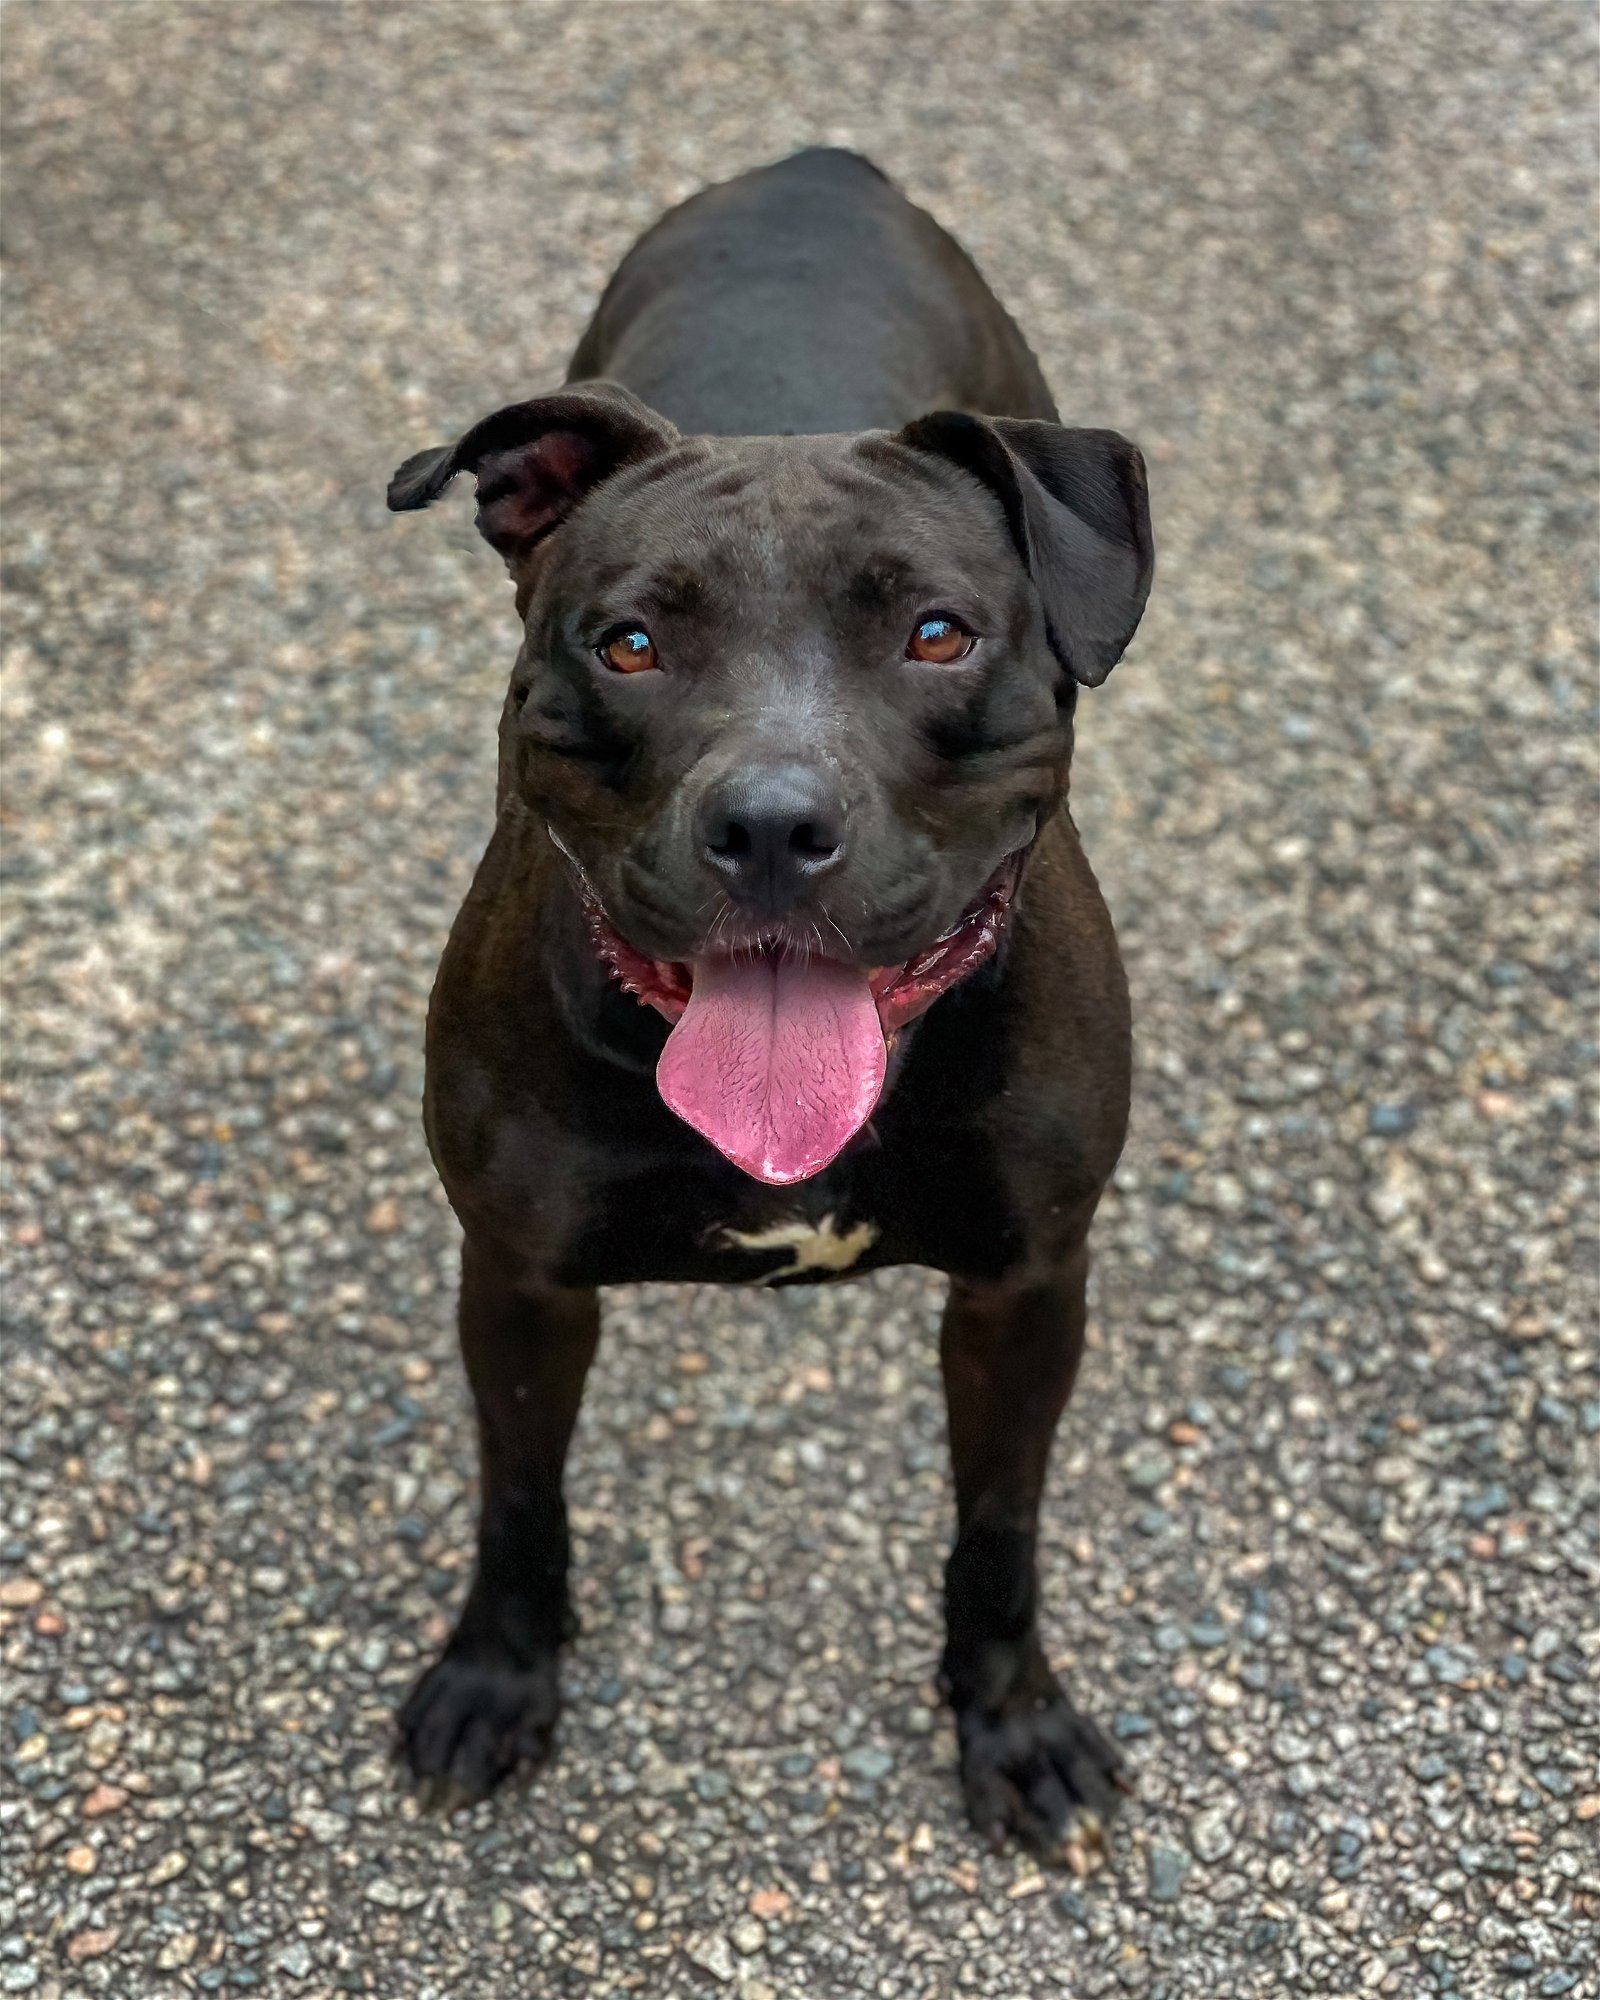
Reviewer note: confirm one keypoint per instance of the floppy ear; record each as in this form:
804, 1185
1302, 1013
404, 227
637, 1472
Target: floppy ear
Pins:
535, 461
1079, 513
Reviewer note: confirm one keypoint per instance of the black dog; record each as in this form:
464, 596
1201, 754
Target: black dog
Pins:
782, 765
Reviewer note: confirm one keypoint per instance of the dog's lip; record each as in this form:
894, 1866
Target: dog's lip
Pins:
901, 992
907, 990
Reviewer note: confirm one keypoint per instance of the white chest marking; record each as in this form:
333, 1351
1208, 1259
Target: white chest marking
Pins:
815, 1249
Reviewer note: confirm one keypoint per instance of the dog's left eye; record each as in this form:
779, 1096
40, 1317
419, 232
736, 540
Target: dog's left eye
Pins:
939, 641
630, 651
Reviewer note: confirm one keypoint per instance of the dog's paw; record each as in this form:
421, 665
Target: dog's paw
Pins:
1036, 1768
471, 1721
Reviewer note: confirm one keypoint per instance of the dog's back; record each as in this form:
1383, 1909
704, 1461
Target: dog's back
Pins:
808, 297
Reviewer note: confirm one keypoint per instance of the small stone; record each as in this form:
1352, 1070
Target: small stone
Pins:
295, 1959
712, 1955
102, 1743
1391, 1121
1167, 1867
104, 1799
1148, 1469
81, 1860
383, 1218
775, 1902
1448, 1665
867, 1763
1210, 1834
177, 1952
1126, 1725
92, 1944
18, 1592
168, 1868
749, 1937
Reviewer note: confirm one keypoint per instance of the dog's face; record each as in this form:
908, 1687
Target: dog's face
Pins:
806, 698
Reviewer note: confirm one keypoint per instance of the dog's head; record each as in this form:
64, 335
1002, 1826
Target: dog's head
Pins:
795, 710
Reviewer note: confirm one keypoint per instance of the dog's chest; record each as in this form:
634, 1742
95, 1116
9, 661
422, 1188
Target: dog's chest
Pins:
810, 1247
718, 1227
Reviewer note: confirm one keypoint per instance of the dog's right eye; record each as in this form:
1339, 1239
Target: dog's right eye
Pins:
630, 651
940, 641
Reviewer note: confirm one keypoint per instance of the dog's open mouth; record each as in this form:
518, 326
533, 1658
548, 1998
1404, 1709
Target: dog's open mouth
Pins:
777, 1055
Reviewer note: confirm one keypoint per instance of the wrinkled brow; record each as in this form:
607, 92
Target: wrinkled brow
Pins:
880, 583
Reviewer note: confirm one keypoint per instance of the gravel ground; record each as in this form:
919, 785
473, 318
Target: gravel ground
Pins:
1322, 1529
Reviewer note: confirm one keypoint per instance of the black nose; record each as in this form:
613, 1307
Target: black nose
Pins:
771, 833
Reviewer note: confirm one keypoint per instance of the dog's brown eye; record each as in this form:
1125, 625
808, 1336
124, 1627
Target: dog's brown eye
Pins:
939, 641
630, 652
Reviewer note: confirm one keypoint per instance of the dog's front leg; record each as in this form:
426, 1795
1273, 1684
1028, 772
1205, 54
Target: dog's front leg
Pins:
489, 1702
1030, 1764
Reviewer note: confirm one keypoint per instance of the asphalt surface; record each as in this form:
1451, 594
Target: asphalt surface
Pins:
1322, 1526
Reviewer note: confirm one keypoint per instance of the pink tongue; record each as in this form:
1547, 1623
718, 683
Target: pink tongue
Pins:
776, 1062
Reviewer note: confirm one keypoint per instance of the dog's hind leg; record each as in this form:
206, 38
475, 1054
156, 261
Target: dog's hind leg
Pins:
1030, 1764
489, 1702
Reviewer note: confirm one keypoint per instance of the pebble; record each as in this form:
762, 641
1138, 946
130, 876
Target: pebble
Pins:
712, 1955
1211, 1833
1391, 1121
1149, 1469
